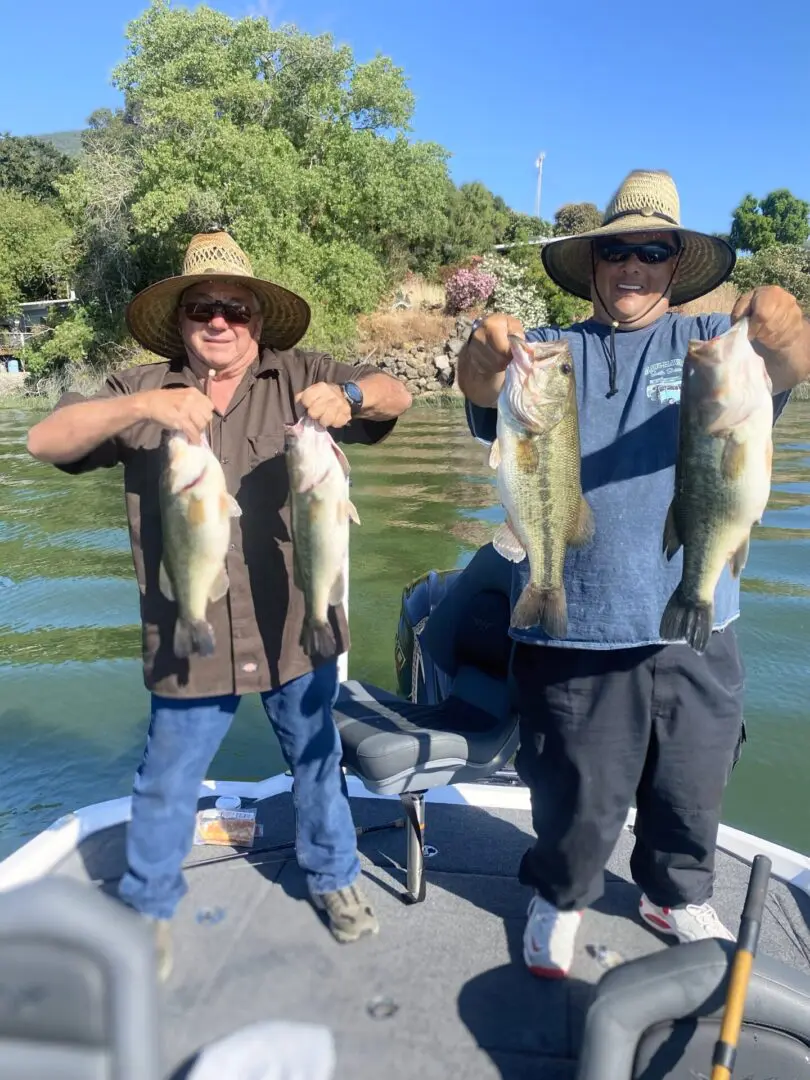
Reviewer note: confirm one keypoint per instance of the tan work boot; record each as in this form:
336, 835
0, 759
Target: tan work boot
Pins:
349, 912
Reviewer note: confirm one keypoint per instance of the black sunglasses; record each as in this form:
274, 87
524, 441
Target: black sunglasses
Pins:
653, 251
203, 311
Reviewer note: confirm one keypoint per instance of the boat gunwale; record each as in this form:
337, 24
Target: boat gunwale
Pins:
44, 852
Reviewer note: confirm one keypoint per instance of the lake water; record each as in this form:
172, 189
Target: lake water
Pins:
73, 709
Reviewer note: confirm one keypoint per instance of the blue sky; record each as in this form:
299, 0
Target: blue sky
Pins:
601, 87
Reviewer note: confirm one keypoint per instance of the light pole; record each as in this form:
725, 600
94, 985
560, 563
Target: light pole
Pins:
539, 166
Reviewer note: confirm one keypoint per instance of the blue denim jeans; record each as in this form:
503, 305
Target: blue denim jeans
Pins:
184, 736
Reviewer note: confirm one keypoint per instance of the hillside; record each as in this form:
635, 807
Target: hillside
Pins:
69, 142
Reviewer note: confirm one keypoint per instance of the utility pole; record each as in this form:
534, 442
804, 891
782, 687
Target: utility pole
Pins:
539, 166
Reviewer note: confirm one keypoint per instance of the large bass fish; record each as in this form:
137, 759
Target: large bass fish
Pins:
722, 475
320, 512
196, 511
537, 457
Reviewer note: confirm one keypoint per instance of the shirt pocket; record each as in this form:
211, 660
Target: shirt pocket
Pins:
264, 448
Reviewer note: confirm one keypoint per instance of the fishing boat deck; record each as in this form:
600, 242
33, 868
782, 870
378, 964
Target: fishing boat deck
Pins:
442, 991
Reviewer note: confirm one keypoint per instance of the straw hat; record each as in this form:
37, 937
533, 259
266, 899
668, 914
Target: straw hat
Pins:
646, 201
213, 256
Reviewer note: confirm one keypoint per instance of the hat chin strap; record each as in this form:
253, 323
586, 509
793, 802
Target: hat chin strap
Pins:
615, 322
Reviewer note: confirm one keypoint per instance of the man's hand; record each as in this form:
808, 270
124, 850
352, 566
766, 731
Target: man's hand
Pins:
775, 320
187, 410
485, 357
779, 332
489, 346
326, 403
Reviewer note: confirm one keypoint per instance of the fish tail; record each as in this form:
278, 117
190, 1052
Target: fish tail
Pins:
540, 606
193, 637
687, 619
317, 638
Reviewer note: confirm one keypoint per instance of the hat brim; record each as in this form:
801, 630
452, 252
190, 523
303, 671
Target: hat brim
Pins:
705, 262
151, 315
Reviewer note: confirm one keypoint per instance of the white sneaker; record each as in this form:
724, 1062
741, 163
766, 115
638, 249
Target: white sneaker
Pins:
548, 940
695, 922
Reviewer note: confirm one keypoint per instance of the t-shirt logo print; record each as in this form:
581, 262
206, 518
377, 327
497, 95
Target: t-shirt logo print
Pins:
664, 381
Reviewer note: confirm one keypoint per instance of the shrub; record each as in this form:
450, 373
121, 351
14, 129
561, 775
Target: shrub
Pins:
514, 294
787, 265
466, 288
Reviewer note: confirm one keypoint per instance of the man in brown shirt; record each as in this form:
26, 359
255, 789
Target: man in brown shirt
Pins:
233, 372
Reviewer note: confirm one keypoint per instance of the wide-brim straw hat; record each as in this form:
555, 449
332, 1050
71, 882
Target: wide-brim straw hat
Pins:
646, 201
214, 256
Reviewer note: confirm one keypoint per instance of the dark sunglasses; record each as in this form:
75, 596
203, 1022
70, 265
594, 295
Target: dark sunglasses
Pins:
203, 311
653, 251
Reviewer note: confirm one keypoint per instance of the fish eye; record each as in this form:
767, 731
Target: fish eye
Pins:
565, 368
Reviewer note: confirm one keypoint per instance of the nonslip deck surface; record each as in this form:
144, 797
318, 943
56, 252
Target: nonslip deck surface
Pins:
442, 991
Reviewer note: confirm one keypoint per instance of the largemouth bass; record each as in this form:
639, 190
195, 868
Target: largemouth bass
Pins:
537, 457
722, 475
196, 512
320, 510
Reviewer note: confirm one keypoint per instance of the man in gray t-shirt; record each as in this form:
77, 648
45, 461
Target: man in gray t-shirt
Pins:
612, 712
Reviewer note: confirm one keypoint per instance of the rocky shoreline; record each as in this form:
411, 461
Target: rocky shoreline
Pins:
426, 370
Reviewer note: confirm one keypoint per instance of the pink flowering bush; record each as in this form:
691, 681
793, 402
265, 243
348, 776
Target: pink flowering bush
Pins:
466, 288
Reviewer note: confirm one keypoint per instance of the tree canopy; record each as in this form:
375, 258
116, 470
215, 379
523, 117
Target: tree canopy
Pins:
779, 218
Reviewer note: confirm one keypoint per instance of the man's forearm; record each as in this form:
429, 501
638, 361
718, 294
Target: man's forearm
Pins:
481, 386
384, 397
72, 432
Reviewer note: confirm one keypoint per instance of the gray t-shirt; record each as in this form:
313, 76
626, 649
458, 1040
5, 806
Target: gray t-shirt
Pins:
618, 585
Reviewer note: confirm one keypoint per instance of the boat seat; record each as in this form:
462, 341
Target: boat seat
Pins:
401, 747
77, 986
658, 1018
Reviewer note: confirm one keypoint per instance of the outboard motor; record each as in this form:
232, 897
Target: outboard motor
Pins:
447, 616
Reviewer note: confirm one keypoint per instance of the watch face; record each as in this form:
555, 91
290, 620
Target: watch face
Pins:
353, 393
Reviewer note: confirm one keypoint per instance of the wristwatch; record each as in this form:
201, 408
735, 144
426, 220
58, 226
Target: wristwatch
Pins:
354, 396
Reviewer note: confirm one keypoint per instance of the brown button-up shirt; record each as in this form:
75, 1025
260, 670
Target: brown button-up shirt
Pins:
257, 624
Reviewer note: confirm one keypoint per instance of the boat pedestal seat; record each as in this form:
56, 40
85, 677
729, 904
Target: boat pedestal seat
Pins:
659, 1017
398, 747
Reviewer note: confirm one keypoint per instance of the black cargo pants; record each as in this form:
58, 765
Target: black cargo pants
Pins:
599, 727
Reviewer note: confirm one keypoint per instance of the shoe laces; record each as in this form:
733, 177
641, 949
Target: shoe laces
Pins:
705, 915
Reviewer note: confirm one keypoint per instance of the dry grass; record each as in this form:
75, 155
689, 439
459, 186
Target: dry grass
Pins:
386, 330
721, 300
421, 294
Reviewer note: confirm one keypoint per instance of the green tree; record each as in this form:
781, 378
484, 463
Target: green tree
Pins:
287, 141
779, 218
36, 250
32, 167
574, 218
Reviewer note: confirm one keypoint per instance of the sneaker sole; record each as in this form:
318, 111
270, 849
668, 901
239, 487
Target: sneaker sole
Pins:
546, 973
660, 926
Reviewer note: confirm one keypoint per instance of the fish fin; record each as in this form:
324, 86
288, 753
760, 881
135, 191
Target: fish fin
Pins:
220, 587
685, 619
166, 586
733, 461
338, 590
351, 509
495, 455
317, 638
538, 606
344, 461
193, 637
507, 544
230, 507
739, 558
584, 528
672, 541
